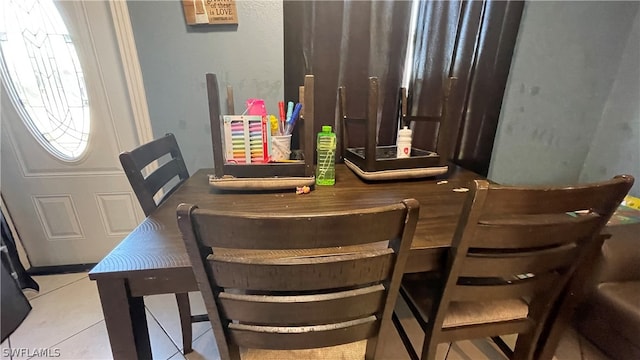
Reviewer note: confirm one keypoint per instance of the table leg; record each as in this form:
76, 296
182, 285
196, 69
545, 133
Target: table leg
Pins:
128, 333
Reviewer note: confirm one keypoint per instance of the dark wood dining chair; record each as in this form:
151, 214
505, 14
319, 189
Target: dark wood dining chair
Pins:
287, 282
513, 253
370, 159
168, 176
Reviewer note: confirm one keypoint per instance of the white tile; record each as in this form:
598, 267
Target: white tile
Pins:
477, 349
93, 343
59, 315
90, 344
393, 348
204, 348
161, 345
568, 347
49, 283
5, 349
165, 310
442, 351
177, 356
410, 326
510, 340
197, 303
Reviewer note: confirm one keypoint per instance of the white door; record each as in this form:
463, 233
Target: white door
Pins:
69, 206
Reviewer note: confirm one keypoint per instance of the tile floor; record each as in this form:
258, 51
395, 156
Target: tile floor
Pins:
67, 319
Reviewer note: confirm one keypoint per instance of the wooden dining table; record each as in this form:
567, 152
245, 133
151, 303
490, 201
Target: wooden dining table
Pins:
152, 259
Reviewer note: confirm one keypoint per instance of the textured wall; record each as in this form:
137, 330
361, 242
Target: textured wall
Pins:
564, 66
616, 145
175, 57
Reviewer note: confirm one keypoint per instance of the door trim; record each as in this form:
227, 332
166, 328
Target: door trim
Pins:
132, 70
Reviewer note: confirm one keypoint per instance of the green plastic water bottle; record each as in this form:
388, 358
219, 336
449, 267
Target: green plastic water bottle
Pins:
326, 148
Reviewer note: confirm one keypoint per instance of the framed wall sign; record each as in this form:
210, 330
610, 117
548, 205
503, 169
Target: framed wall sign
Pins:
198, 12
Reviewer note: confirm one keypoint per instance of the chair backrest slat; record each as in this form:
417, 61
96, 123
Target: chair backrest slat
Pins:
518, 200
134, 161
161, 176
293, 298
144, 154
261, 337
304, 309
505, 265
299, 231
502, 290
526, 233
308, 274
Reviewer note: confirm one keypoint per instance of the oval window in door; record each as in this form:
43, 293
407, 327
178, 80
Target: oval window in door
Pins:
42, 74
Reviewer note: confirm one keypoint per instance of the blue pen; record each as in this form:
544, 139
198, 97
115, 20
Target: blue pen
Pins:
289, 111
294, 117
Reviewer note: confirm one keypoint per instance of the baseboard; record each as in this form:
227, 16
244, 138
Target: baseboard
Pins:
60, 269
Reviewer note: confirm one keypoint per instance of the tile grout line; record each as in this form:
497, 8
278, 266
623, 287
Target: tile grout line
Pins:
10, 351
174, 354
201, 335
69, 337
47, 293
58, 288
446, 355
163, 330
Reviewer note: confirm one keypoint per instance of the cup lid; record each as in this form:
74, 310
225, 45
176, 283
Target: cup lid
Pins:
405, 131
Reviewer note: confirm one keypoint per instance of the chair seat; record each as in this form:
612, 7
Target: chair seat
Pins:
351, 351
620, 301
471, 313
421, 293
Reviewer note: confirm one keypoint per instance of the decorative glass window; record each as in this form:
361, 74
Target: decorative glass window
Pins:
42, 73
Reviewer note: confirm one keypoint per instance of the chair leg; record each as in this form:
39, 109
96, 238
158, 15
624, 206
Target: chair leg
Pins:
525, 346
184, 310
234, 351
429, 348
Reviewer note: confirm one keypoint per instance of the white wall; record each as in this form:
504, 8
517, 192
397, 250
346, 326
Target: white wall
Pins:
616, 145
564, 66
565, 107
175, 58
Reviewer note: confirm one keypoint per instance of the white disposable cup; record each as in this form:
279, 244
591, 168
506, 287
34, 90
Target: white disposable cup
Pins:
281, 147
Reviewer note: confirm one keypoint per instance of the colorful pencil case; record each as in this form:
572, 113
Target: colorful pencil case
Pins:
247, 139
